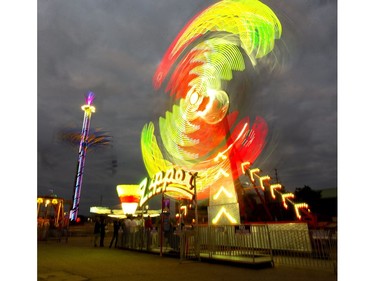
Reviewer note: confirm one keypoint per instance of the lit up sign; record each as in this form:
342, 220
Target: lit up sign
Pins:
227, 214
172, 181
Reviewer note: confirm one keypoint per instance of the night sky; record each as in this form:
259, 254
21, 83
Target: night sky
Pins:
113, 48
54, 52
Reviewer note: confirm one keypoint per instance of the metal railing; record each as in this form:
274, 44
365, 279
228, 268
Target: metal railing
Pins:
276, 244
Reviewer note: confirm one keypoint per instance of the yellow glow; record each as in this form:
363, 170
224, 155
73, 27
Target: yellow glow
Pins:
220, 173
182, 192
89, 108
284, 197
262, 180
219, 156
100, 210
221, 190
129, 208
257, 37
129, 191
222, 153
254, 172
298, 206
117, 216
40, 200
176, 182
220, 213
273, 187
194, 98
54, 201
184, 209
214, 114
243, 165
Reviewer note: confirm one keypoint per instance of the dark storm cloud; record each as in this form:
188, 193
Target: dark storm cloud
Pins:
113, 47
302, 97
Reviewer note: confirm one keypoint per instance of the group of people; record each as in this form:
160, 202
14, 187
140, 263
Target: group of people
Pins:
137, 231
100, 230
131, 225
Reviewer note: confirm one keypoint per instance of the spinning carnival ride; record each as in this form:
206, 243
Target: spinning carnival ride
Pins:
201, 133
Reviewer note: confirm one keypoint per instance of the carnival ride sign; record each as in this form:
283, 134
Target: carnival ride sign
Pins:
176, 183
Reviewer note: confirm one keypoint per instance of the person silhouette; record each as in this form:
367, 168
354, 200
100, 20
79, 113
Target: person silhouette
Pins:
102, 230
116, 227
96, 232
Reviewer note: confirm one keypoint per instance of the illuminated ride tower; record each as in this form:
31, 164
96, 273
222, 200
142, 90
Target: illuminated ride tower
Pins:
88, 108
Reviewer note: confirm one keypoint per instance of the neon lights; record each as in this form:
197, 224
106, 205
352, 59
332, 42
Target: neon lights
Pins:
273, 187
284, 197
180, 190
89, 98
221, 156
199, 133
298, 206
222, 190
100, 210
184, 210
223, 211
254, 172
177, 179
129, 197
220, 173
262, 180
88, 109
243, 165
257, 39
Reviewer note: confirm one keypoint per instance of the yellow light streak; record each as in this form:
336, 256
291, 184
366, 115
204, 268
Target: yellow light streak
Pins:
221, 172
181, 191
273, 187
223, 211
89, 108
298, 206
221, 190
254, 172
184, 209
262, 180
284, 197
243, 165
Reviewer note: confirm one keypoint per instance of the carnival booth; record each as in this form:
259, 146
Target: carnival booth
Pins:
51, 219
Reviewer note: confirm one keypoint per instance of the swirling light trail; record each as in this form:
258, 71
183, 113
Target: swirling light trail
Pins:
195, 67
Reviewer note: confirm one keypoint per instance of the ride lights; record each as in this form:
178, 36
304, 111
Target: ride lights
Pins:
129, 197
298, 206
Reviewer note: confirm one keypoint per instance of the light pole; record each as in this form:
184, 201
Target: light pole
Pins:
88, 108
196, 230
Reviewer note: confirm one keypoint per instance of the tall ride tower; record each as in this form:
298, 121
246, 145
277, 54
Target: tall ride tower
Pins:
88, 108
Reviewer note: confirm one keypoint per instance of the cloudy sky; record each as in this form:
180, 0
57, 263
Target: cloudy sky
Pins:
113, 48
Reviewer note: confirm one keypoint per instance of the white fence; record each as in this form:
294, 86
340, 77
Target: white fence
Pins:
280, 244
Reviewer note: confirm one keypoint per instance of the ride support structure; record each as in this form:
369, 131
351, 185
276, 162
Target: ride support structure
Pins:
88, 108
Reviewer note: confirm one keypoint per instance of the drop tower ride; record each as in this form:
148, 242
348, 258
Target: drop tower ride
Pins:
88, 108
